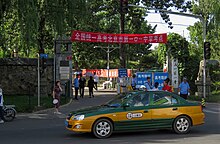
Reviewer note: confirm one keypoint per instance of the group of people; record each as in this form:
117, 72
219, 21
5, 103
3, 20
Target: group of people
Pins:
79, 84
183, 89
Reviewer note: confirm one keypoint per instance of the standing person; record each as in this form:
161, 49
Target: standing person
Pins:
82, 82
134, 82
56, 96
166, 86
148, 84
184, 88
1, 106
76, 86
91, 86
96, 80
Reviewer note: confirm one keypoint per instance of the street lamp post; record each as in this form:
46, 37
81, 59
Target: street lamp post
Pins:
204, 35
108, 61
38, 80
108, 51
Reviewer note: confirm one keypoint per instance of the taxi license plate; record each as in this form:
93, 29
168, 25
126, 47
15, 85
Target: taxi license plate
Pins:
66, 123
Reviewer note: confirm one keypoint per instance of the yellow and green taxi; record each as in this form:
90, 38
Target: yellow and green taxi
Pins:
137, 110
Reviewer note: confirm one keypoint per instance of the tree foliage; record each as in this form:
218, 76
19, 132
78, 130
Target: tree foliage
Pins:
209, 10
178, 48
28, 25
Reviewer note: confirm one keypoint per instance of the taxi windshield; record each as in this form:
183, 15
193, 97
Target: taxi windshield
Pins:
119, 99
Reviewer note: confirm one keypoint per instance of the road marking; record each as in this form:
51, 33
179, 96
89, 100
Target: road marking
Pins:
209, 111
42, 116
36, 117
31, 114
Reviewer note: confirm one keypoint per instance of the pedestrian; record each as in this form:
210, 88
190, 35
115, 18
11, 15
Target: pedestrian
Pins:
155, 88
96, 80
1, 106
148, 84
134, 82
184, 88
76, 86
82, 82
56, 96
91, 86
166, 86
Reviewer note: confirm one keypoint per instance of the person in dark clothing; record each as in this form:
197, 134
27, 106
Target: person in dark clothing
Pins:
82, 82
134, 82
91, 86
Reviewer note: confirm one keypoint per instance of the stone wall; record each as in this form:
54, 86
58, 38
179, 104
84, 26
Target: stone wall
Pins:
18, 76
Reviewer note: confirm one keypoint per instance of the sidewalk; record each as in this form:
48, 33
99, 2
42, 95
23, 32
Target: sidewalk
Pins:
101, 96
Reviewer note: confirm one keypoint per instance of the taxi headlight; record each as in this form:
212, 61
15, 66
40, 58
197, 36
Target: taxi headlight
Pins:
78, 117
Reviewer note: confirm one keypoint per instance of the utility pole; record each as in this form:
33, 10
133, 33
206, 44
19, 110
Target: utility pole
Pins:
108, 51
204, 37
123, 11
38, 79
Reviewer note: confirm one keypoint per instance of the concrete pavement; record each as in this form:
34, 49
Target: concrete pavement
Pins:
101, 96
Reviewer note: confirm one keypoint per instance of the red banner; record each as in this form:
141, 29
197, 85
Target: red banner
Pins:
118, 38
112, 73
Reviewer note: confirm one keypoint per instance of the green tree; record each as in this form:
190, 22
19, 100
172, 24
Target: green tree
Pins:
209, 10
34, 24
177, 47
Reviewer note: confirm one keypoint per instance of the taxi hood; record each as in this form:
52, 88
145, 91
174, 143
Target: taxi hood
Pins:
94, 110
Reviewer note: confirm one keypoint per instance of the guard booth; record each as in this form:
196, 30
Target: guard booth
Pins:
63, 64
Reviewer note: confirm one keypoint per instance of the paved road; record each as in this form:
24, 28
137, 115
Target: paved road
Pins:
46, 128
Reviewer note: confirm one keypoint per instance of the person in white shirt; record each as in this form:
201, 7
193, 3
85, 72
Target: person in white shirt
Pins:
1, 106
96, 80
155, 88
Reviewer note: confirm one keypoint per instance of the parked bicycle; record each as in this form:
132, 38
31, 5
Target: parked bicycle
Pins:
9, 112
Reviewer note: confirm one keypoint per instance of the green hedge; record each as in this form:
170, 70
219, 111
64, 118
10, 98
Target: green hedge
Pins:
30, 103
213, 98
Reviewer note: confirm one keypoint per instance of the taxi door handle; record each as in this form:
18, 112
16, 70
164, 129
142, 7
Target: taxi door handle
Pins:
146, 111
175, 108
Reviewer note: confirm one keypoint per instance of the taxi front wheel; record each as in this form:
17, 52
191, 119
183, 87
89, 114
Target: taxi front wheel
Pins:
182, 125
102, 128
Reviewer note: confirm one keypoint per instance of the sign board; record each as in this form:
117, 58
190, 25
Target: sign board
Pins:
64, 70
160, 77
175, 73
142, 78
42, 55
122, 73
64, 76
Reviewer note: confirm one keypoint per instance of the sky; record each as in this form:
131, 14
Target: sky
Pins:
180, 24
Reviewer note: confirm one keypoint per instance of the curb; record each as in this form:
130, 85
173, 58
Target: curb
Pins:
45, 110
